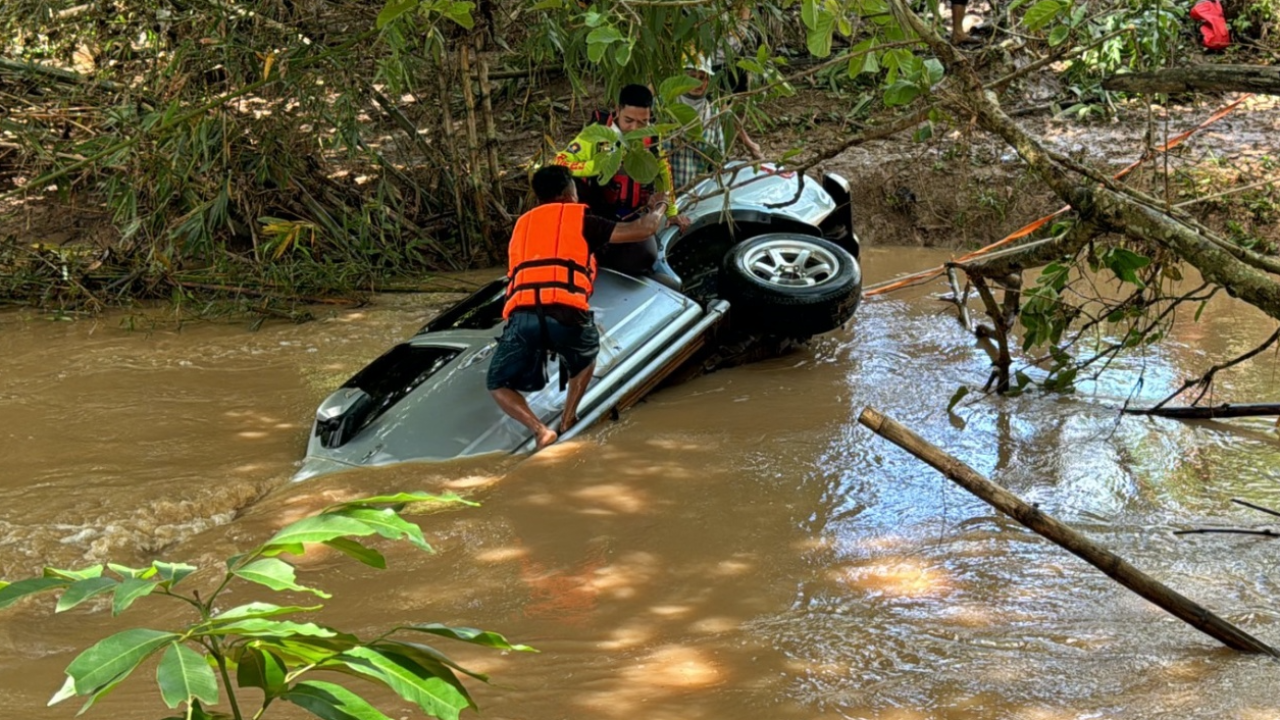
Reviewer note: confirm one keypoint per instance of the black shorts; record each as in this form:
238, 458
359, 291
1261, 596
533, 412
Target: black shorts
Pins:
518, 362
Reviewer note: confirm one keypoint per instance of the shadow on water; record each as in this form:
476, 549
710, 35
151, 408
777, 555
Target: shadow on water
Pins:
737, 546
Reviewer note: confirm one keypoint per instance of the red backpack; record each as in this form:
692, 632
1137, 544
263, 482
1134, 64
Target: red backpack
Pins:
1214, 24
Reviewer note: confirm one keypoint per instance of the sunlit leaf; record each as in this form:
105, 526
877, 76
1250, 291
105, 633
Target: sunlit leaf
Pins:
260, 627
318, 529
172, 573
436, 696
605, 34
183, 675
111, 659
331, 702
67, 690
13, 592
82, 590
92, 571
275, 574
389, 525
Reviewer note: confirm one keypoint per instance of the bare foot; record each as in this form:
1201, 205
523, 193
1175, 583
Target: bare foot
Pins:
568, 422
546, 436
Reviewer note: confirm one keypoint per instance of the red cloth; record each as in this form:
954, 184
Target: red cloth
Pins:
1214, 27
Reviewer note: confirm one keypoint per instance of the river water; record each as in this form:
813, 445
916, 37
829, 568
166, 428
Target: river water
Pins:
735, 547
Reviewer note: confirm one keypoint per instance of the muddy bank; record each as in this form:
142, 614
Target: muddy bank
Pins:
963, 189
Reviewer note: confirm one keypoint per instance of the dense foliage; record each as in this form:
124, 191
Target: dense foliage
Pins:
265, 647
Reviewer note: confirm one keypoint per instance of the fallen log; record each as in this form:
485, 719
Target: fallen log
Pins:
1210, 412
1263, 79
1108, 562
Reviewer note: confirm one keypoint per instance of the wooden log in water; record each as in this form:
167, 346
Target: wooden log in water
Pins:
1209, 412
1108, 562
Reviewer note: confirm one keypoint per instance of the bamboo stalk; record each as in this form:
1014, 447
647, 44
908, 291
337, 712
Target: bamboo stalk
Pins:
491, 133
1108, 562
473, 144
449, 147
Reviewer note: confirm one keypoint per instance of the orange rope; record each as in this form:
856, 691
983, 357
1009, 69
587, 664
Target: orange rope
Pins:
1025, 230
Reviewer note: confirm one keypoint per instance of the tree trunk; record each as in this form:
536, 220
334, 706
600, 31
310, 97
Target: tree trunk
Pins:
1204, 78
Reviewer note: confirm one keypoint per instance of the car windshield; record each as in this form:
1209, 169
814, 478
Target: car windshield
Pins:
396, 374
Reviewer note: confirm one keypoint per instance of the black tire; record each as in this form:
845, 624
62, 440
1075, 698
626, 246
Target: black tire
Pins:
790, 284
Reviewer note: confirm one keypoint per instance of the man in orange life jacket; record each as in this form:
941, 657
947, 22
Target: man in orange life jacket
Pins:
552, 268
621, 197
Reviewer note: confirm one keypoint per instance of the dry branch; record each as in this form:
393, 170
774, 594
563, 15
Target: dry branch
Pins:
1035, 519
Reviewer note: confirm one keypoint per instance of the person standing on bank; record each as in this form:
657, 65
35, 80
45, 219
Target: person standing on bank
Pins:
551, 271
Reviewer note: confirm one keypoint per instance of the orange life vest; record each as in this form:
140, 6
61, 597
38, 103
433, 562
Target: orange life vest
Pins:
550, 263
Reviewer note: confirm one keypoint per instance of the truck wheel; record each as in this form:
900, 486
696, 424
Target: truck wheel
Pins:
790, 284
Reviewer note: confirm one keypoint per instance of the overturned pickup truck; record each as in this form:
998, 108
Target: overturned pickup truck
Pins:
770, 259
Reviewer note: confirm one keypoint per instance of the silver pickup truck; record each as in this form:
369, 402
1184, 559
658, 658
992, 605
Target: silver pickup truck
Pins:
770, 259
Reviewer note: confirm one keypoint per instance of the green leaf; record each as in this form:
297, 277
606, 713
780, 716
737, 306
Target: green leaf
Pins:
900, 93
129, 591
14, 591
622, 54
469, 635
328, 701
82, 590
597, 134
92, 571
353, 549
113, 658
605, 34
808, 13
262, 669
260, 627
275, 574
1059, 35
641, 165
818, 38
684, 114
956, 397
673, 87
411, 681
196, 712
934, 70
608, 165
428, 657
389, 525
394, 9
319, 528
183, 674
460, 13
1043, 13
260, 610
172, 573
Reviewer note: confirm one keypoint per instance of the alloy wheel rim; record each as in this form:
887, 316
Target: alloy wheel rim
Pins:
791, 263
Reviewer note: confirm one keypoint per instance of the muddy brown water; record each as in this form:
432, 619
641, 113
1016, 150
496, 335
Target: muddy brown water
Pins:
736, 547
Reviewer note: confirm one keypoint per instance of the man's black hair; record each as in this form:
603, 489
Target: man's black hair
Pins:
550, 182
635, 96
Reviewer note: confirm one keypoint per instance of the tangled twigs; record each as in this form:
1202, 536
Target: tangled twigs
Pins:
1264, 532
1205, 382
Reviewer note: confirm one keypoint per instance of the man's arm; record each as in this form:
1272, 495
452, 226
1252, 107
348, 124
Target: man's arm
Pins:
640, 229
